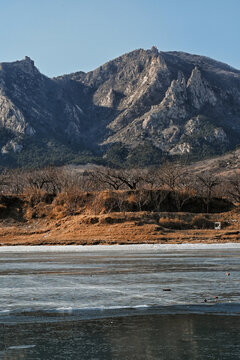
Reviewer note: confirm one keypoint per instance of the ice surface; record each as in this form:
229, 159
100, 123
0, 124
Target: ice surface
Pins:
94, 281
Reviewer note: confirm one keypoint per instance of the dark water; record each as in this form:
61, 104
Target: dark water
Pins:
110, 303
166, 337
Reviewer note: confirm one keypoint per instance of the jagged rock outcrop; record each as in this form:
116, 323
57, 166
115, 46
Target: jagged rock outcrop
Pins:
180, 103
200, 93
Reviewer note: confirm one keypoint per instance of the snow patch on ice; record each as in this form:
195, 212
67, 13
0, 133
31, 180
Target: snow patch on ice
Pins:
134, 247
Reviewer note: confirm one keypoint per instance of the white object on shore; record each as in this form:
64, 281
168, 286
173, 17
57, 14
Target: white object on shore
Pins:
217, 225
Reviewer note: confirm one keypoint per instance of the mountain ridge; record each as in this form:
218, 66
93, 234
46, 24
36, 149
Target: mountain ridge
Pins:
177, 103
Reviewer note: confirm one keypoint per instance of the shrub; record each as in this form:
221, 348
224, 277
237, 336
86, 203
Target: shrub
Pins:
200, 222
72, 201
175, 224
35, 196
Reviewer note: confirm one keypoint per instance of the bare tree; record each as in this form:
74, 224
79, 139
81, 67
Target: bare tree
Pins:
170, 175
47, 179
234, 189
184, 190
207, 184
158, 196
4, 181
131, 179
106, 178
117, 179
122, 201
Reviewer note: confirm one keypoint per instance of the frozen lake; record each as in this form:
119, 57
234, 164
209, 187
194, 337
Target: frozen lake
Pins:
50, 287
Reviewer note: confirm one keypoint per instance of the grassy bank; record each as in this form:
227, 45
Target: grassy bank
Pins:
115, 217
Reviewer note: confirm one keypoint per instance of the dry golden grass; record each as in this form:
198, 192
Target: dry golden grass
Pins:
115, 228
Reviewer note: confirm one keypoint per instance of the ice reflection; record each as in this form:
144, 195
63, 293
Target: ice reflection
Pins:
166, 337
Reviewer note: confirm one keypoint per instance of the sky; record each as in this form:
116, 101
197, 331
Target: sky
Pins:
64, 36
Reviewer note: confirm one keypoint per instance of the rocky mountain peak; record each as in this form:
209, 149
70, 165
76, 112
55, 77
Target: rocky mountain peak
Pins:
154, 50
29, 63
200, 90
27, 59
25, 66
176, 95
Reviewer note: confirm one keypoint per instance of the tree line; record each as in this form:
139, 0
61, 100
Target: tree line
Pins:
169, 176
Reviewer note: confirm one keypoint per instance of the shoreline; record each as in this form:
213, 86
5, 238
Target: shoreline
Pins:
129, 247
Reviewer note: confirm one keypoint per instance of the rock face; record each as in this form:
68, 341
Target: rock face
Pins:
180, 103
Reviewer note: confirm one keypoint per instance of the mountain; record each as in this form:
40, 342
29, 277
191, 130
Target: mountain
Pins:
38, 115
134, 109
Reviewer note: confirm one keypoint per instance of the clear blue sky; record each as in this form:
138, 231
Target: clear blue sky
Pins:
64, 36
